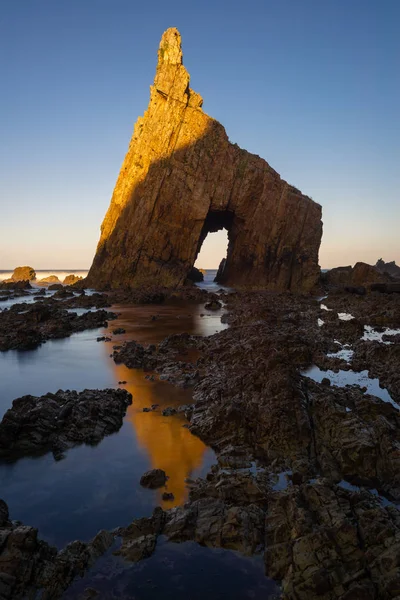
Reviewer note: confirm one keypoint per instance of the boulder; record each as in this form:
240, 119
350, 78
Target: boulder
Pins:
180, 180
195, 275
55, 287
213, 305
71, 279
153, 479
23, 274
53, 279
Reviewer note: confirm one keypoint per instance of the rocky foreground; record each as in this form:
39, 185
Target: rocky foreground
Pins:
311, 445
56, 422
25, 326
292, 453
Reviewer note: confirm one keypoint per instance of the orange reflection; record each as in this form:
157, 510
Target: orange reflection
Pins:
169, 445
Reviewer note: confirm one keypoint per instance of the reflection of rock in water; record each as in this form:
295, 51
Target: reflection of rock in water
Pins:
170, 446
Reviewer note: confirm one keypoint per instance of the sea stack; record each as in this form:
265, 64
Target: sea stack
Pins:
180, 180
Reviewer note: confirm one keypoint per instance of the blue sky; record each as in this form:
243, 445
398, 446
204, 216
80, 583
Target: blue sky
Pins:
312, 86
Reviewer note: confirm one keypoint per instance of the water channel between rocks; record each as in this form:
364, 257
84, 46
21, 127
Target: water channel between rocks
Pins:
98, 487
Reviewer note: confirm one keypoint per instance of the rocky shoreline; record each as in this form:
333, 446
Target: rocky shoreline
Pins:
56, 422
307, 472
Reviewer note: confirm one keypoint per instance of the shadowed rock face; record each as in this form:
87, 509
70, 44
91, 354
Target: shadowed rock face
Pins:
182, 179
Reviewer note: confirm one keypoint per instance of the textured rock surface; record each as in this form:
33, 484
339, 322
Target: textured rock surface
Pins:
71, 279
182, 179
25, 326
361, 274
153, 479
388, 267
58, 421
23, 274
28, 564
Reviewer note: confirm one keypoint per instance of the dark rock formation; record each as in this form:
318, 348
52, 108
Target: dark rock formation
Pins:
164, 358
361, 274
213, 305
195, 275
290, 452
220, 273
153, 479
182, 179
27, 564
323, 537
386, 288
53, 286
390, 268
14, 285
55, 422
26, 326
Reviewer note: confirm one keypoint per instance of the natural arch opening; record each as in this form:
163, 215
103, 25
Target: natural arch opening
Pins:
213, 250
213, 246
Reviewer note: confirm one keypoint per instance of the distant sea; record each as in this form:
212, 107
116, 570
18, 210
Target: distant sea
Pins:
61, 274
41, 274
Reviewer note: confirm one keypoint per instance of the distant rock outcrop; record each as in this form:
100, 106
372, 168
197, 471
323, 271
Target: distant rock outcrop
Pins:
182, 179
388, 267
71, 279
47, 280
23, 274
361, 274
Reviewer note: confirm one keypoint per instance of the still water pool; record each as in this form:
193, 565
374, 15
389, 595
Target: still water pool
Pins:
98, 487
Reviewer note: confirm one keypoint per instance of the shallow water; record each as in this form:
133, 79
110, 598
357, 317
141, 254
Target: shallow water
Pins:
343, 378
98, 487
178, 572
370, 334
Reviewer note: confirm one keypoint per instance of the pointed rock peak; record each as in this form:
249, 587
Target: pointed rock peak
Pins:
171, 79
170, 50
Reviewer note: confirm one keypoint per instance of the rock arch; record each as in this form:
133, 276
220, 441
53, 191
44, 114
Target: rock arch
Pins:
182, 178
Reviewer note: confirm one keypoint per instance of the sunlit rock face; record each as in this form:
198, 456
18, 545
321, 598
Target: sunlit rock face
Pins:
182, 179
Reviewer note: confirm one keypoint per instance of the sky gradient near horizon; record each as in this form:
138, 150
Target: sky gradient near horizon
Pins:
313, 87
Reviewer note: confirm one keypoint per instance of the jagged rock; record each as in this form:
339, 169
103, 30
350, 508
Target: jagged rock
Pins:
71, 279
30, 568
220, 272
59, 421
153, 479
388, 267
26, 326
195, 275
9, 284
182, 179
361, 275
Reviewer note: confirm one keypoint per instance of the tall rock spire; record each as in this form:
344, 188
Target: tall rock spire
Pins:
181, 179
